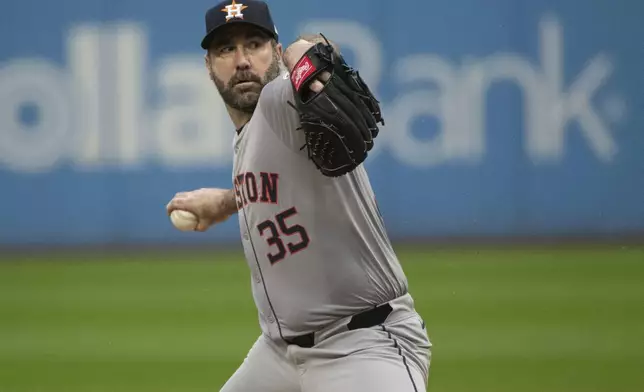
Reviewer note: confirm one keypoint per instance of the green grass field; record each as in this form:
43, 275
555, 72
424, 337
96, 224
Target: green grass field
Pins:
524, 320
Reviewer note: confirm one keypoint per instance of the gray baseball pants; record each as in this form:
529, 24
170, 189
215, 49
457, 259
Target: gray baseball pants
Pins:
391, 357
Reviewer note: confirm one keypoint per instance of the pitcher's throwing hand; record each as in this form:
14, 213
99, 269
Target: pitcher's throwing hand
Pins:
210, 205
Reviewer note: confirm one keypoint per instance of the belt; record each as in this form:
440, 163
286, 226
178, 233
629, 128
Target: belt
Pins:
367, 319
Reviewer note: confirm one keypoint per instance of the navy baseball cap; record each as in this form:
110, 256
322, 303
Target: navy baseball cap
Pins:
252, 12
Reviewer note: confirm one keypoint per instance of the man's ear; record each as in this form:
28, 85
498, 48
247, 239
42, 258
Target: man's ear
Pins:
208, 64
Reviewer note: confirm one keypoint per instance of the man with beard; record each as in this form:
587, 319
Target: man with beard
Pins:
332, 299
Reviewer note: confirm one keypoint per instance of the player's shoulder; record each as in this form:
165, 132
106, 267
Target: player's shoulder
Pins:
281, 82
274, 108
277, 90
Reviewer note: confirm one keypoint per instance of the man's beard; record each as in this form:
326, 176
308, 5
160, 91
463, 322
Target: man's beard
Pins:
245, 98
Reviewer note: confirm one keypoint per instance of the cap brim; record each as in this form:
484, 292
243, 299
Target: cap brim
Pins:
206, 41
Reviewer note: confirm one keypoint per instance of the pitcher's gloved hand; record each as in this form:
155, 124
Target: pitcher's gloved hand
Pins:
338, 113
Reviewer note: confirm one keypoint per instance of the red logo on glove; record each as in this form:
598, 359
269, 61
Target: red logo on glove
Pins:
302, 70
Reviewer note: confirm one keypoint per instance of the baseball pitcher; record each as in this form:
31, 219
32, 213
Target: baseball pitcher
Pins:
332, 299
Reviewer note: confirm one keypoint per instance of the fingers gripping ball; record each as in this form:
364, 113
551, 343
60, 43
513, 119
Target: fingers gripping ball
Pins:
340, 122
184, 220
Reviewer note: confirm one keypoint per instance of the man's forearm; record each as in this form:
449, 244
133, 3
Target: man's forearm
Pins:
230, 202
297, 48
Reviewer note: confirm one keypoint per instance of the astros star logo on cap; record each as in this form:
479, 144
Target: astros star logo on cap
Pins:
234, 10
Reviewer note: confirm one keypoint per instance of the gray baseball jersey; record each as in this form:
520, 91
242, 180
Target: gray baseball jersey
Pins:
316, 246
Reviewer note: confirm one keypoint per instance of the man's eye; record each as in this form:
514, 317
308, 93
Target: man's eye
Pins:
254, 44
226, 49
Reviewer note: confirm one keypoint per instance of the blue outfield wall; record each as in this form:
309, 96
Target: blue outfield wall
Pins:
504, 117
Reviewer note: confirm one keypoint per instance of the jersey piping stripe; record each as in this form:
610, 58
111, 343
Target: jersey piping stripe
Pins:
404, 359
261, 274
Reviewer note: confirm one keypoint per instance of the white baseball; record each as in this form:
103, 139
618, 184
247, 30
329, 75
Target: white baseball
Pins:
184, 220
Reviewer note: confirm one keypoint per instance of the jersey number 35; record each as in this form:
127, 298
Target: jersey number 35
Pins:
276, 231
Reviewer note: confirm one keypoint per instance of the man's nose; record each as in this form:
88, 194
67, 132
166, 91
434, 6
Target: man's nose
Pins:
242, 59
